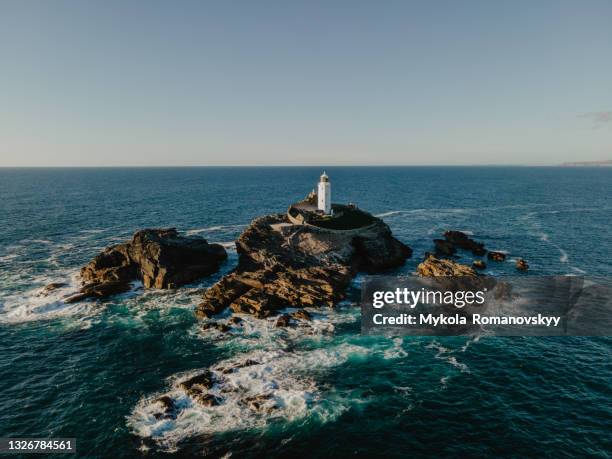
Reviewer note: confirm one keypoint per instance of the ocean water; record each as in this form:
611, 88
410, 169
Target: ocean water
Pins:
91, 370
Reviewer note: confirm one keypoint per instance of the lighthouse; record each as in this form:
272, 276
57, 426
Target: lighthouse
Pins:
324, 194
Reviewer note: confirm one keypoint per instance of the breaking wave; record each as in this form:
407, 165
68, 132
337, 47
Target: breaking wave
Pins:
275, 379
34, 304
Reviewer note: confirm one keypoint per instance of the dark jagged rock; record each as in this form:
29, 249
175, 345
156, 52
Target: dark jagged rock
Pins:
463, 241
290, 265
522, 265
168, 408
223, 328
436, 267
283, 321
197, 388
234, 320
234, 367
101, 290
301, 314
261, 403
207, 400
479, 264
496, 256
160, 258
444, 247
53, 286
202, 380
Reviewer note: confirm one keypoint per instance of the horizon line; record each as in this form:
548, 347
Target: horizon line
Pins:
144, 166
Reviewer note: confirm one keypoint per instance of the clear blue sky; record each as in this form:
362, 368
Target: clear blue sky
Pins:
304, 82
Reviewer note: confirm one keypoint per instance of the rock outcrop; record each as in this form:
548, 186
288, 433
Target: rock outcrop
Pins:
479, 264
197, 388
522, 265
437, 267
160, 258
496, 256
444, 247
447, 275
463, 241
52, 287
286, 265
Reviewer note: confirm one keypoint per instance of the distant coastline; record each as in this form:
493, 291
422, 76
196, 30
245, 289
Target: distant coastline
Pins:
606, 163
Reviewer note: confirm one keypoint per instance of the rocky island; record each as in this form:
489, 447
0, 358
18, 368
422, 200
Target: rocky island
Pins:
160, 258
303, 258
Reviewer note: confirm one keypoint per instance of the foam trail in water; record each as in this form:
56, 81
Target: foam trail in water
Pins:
226, 245
211, 229
446, 355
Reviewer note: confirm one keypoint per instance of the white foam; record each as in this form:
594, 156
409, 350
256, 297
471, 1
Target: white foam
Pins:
388, 214
93, 231
545, 237
279, 378
269, 362
9, 256
429, 212
33, 305
445, 354
396, 351
227, 245
403, 389
467, 344
211, 229
36, 305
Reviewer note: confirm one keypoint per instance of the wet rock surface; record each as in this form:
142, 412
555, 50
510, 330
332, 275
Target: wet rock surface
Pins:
479, 264
522, 265
287, 265
99, 290
496, 256
444, 247
283, 321
168, 408
52, 287
463, 241
302, 315
197, 388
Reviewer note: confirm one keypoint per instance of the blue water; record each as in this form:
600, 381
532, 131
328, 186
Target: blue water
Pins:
91, 370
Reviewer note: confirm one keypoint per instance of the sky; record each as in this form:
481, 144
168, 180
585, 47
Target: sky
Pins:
158, 83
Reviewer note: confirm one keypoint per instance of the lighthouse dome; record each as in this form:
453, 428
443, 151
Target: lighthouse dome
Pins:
324, 177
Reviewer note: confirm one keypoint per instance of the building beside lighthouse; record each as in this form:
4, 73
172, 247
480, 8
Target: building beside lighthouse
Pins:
324, 194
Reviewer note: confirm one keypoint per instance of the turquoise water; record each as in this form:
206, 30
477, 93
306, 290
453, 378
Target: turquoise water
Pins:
91, 370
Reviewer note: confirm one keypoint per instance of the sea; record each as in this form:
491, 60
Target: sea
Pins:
92, 370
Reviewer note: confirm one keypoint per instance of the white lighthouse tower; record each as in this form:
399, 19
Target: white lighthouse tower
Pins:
324, 194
